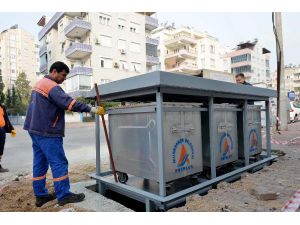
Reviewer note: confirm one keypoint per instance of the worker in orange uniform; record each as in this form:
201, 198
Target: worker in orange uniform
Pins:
45, 123
5, 127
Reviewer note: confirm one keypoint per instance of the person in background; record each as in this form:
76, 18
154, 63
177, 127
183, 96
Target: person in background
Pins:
240, 79
45, 123
5, 127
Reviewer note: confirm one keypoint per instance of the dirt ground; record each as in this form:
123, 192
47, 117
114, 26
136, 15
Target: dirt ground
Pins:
17, 196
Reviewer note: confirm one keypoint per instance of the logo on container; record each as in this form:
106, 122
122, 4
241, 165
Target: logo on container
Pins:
182, 155
253, 140
226, 146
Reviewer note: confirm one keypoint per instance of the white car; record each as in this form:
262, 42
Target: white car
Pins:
294, 111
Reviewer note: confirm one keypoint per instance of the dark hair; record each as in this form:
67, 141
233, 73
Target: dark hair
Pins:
59, 67
240, 75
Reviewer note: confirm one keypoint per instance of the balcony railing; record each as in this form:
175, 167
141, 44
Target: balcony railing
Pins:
151, 41
180, 39
152, 60
80, 70
151, 23
78, 50
57, 16
43, 68
79, 26
43, 50
185, 53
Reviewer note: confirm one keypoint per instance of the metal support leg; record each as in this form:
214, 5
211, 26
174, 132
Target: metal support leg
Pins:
98, 158
150, 207
245, 132
212, 138
160, 147
268, 131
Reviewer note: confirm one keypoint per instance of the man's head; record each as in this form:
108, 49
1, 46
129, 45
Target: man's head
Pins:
240, 78
59, 71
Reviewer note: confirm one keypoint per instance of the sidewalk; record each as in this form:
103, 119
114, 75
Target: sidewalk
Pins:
281, 179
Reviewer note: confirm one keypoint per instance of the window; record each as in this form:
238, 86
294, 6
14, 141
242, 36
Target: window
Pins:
202, 48
106, 63
135, 47
84, 82
212, 49
121, 44
241, 69
267, 63
121, 23
105, 19
134, 27
61, 27
151, 50
105, 41
203, 62
123, 65
212, 63
135, 67
103, 81
241, 58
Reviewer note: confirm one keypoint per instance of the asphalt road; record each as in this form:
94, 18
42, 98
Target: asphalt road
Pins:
79, 145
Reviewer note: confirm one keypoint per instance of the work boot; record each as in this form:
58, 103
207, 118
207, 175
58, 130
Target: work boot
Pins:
71, 198
40, 201
2, 170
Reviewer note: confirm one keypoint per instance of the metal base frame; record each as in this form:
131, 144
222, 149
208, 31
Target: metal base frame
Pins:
155, 202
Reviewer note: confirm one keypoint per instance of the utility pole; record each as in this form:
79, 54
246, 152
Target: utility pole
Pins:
282, 112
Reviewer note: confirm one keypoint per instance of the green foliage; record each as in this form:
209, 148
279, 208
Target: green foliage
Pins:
17, 99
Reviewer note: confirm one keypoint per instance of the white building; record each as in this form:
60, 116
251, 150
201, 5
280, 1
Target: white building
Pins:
98, 47
18, 53
292, 79
184, 50
253, 60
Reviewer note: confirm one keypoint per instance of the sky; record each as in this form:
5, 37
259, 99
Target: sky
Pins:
229, 28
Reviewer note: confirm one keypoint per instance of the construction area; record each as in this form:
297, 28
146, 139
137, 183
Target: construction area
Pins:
177, 143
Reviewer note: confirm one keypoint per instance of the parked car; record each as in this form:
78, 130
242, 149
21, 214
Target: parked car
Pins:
294, 111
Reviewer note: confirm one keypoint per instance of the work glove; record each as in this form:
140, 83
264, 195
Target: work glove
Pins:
98, 110
13, 133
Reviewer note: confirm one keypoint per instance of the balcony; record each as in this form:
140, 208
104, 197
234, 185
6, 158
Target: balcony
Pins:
152, 60
183, 53
180, 40
43, 50
185, 67
80, 70
151, 41
78, 51
77, 28
44, 68
52, 22
151, 23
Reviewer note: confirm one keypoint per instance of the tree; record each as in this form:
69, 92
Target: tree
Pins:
23, 91
8, 99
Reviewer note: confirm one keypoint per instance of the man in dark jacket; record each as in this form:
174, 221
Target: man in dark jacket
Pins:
240, 79
45, 123
5, 127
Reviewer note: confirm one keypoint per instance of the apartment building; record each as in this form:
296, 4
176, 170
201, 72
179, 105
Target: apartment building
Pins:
253, 60
184, 50
292, 79
18, 53
99, 47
